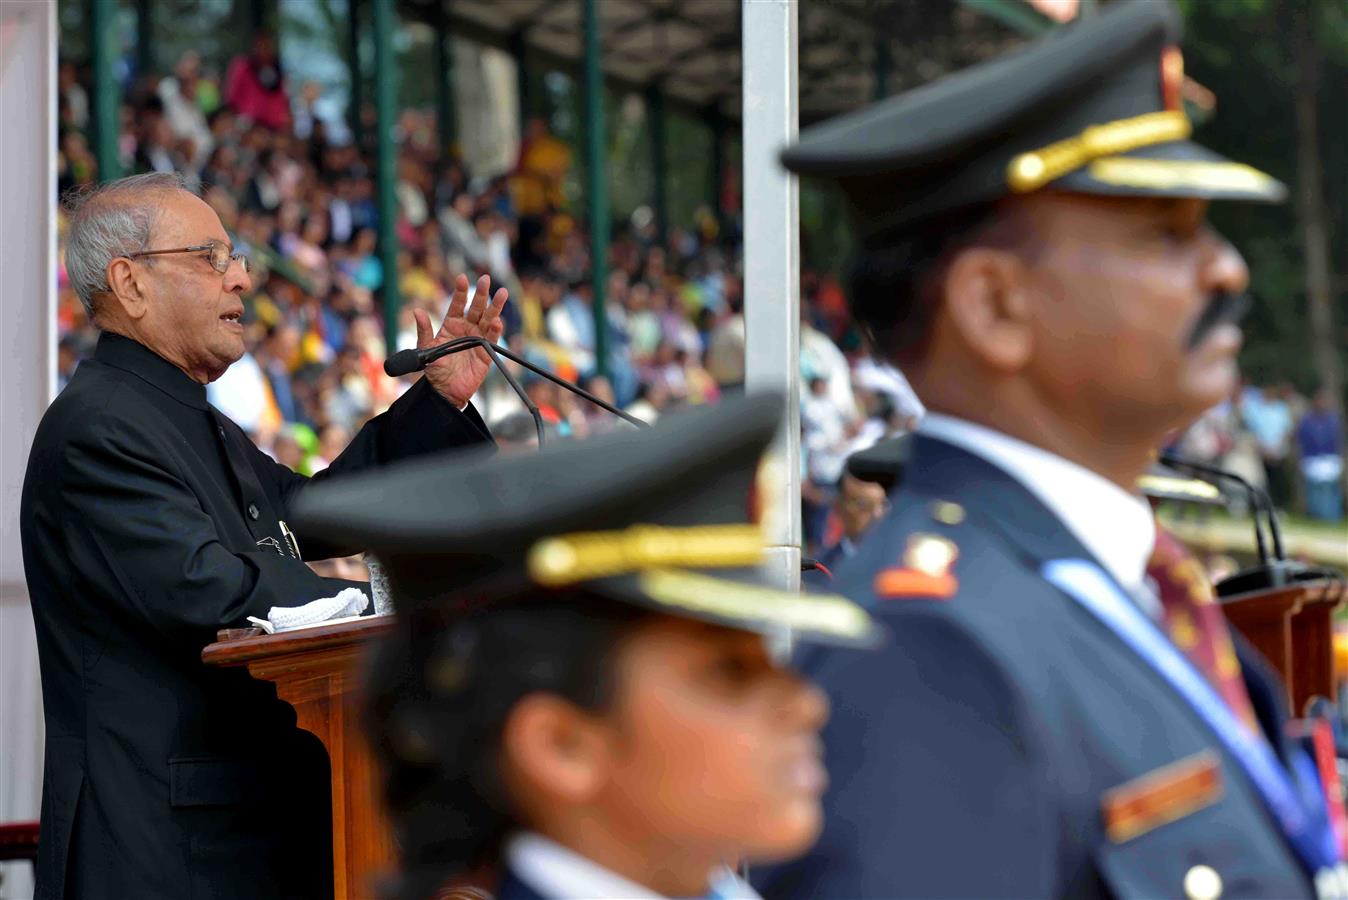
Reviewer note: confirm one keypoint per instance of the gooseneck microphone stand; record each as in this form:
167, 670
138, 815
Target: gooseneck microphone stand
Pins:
405, 362
1275, 569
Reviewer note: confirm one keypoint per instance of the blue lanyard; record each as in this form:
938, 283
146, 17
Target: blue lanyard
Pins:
1088, 584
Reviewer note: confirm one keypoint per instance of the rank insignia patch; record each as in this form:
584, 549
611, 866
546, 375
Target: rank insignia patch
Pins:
1162, 796
924, 572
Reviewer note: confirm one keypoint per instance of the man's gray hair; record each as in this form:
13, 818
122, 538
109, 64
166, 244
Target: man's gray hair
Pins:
111, 220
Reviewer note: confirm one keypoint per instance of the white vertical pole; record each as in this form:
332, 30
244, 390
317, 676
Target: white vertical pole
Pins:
27, 378
772, 259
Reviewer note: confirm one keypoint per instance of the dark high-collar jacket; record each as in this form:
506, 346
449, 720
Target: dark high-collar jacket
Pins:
149, 521
975, 754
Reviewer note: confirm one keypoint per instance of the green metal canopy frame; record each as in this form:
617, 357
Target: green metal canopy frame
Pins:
683, 56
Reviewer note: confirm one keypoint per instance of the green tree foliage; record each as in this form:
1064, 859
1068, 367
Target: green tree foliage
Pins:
1243, 51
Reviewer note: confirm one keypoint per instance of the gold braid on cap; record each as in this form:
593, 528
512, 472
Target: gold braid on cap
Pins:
705, 594
1184, 487
569, 558
1031, 171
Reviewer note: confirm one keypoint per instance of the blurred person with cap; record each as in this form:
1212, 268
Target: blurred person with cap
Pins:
858, 505
149, 520
1035, 256
578, 700
869, 477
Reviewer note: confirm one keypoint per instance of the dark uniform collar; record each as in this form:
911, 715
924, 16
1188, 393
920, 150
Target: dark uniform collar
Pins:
130, 356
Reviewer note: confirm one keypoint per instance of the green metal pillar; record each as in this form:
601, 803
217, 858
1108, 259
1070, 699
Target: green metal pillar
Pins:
597, 168
445, 125
145, 47
386, 161
520, 51
884, 64
655, 107
356, 102
103, 38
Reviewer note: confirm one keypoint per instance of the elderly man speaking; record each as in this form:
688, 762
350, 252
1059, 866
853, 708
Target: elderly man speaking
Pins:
149, 520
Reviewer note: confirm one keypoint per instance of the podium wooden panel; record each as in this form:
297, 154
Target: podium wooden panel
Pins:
1313, 643
1293, 627
317, 671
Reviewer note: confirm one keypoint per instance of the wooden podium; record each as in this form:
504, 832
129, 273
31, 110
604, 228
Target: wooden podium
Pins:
317, 671
1293, 627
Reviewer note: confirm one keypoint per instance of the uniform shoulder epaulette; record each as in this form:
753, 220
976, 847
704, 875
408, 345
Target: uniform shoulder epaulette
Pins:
926, 568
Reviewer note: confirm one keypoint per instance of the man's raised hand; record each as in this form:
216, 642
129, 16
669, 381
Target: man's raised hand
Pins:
458, 376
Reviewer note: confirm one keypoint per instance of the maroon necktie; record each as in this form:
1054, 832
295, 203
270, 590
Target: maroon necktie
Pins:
1194, 621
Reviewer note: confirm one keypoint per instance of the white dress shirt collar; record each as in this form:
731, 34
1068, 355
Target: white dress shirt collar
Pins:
562, 874
1116, 526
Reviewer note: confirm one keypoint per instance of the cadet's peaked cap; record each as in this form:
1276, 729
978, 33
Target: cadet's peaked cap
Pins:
1093, 108
1164, 483
883, 462
660, 517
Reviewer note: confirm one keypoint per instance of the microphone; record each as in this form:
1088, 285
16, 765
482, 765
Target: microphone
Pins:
405, 362
1277, 571
1257, 498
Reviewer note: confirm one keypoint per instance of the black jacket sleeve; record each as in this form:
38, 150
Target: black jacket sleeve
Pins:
133, 524
418, 423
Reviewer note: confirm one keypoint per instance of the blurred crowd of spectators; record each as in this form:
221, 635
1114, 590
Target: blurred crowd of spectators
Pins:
1280, 441
304, 209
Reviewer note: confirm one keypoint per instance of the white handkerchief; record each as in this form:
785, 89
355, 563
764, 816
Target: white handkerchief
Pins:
349, 602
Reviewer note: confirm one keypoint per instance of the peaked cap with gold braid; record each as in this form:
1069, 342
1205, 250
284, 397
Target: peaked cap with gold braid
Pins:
1093, 108
1164, 483
658, 517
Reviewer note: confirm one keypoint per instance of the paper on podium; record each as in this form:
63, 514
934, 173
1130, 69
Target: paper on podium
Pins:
348, 604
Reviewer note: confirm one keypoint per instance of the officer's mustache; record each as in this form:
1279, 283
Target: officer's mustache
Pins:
1223, 307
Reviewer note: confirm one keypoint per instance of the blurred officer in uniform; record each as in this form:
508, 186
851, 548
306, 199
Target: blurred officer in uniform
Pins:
869, 477
860, 503
577, 701
1036, 257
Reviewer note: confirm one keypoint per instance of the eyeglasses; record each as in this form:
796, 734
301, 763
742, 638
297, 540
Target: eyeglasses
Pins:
220, 255
864, 504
